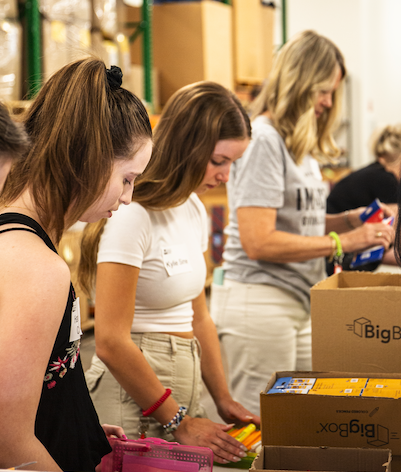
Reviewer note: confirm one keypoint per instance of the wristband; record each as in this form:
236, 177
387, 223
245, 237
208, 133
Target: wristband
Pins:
154, 407
338, 254
339, 249
333, 249
175, 422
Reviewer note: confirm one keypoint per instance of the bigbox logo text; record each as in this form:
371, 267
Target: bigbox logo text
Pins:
375, 434
364, 328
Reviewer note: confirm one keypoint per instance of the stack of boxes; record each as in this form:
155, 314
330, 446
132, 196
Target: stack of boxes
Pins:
66, 32
356, 333
10, 50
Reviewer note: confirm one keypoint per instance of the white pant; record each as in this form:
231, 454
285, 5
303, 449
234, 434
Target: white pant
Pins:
262, 330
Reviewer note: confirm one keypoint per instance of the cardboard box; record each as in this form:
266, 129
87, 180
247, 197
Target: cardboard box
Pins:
8, 9
192, 41
253, 40
356, 325
135, 84
322, 459
313, 420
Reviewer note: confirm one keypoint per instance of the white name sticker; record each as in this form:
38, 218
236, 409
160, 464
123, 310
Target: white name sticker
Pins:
176, 260
75, 331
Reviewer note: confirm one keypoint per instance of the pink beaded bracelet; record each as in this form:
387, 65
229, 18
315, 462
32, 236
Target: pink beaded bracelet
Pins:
154, 407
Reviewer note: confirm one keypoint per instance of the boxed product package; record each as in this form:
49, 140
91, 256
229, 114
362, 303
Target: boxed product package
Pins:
356, 324
373, 213
154, 454
325, 458
290, 419
250, 436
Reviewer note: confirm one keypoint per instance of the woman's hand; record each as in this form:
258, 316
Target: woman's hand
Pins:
354, 215
205, 433
366, 236
390, 209
112, 431
233, 412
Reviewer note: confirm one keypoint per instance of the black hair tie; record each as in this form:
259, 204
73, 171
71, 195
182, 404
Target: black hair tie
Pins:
114, 77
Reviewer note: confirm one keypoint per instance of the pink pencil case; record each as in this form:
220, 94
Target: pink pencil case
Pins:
156, 455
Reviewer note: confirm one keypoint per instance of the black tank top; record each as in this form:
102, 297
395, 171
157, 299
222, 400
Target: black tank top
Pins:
66, 421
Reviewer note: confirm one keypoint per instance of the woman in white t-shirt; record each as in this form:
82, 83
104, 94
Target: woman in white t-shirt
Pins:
278, 232
153, 327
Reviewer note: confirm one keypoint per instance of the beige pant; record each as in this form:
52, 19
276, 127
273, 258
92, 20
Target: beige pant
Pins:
262, 329
176, 362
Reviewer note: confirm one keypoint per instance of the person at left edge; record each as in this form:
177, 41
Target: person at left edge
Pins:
90, 138
13, 143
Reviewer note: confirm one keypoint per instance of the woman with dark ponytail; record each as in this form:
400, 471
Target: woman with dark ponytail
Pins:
89, 138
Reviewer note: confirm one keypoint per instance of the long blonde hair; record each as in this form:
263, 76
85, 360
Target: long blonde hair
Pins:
194, 119
303, 67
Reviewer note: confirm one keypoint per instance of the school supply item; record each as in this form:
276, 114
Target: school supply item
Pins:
338, 387
291, 385
156, 455
372, 214
251, 438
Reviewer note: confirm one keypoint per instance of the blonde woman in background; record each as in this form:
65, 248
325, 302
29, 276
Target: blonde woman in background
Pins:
278, 228
155, 339
377, 180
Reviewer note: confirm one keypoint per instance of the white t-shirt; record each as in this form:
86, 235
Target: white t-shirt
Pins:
168, 247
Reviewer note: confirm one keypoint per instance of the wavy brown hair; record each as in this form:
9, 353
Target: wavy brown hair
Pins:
303, 67
78, 126
194, 119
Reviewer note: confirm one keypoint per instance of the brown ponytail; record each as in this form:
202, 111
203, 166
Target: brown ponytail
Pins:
77, 125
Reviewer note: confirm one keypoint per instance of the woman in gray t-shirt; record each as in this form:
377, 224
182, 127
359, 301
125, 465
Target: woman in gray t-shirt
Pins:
278, 232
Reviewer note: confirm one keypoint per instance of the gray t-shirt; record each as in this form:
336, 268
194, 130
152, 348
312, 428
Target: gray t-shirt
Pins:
266, 176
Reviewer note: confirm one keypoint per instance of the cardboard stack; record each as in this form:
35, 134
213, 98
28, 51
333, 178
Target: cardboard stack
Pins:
355, 332
66, 27
10, 51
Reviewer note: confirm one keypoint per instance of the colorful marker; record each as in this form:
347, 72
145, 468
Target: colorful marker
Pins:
246, 432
